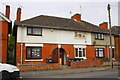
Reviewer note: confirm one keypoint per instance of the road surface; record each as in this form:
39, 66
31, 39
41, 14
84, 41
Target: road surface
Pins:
97, 74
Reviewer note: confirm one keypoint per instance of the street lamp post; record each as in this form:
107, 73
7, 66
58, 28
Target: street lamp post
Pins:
111, 62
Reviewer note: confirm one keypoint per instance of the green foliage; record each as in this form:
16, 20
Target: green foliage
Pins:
81, 59
11, 44
11, 47
106, 59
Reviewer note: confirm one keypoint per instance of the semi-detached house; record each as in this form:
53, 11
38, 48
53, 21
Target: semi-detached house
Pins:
5, 29
116, 31
43, 37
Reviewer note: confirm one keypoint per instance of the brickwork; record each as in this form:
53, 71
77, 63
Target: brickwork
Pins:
86, 63
90, 52
106, 52
117, 47
104, 25
4, 41
29, 67
47, 50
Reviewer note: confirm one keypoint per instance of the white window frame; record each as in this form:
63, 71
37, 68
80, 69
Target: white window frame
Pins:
99, 36
78, 48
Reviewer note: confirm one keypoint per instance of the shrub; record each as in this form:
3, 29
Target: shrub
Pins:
106, 59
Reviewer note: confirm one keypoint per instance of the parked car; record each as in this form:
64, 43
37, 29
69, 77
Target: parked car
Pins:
9, 71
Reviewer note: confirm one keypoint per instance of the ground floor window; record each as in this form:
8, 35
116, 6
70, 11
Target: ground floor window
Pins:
80, 52
34, 53
99, 52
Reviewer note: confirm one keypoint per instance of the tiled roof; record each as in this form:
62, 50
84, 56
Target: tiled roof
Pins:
61, 23
116, 30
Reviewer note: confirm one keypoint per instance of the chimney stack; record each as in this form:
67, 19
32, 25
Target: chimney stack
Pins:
104, 25
76, 17
18, 18
7, 13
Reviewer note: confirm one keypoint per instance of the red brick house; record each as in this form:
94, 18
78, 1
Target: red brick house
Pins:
43, 37
116, 31
5, 29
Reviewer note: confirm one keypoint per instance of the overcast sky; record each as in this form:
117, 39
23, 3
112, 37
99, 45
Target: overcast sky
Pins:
93, 11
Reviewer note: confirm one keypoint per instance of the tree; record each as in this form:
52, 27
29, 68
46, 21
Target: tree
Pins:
11, 43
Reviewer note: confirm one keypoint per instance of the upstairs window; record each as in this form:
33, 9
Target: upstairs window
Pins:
80, 52
34, 31
99, 36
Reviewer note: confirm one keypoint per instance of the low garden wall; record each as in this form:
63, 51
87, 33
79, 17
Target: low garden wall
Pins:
86, 63
29, 67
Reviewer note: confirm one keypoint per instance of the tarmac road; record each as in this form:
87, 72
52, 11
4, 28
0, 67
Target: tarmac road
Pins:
103, 74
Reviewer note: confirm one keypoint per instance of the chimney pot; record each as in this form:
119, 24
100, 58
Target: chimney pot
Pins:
7, 13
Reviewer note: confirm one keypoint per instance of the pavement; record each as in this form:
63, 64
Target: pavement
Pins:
41, 73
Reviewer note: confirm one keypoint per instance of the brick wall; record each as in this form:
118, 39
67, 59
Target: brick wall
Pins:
117, 47
29, 67
106, 52
4, 41
86, 63
90, 52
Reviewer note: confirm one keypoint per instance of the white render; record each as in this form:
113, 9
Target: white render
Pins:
53, 36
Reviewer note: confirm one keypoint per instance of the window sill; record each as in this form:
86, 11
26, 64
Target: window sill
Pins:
81, 57
34, 60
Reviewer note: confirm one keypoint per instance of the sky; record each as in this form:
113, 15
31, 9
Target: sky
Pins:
93, 11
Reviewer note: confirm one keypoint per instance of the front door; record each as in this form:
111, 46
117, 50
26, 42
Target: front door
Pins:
63, 56
55, 55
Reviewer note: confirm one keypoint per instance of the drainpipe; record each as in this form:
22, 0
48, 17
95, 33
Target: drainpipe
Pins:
107, 45
21, 45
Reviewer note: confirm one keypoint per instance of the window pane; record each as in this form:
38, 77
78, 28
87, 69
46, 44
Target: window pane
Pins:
83, 52
96, 36
102, 36
29, 30
76, 50
37, 31
80, 53
100, 53
28, 53
97, 52
36, 52
100, 49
